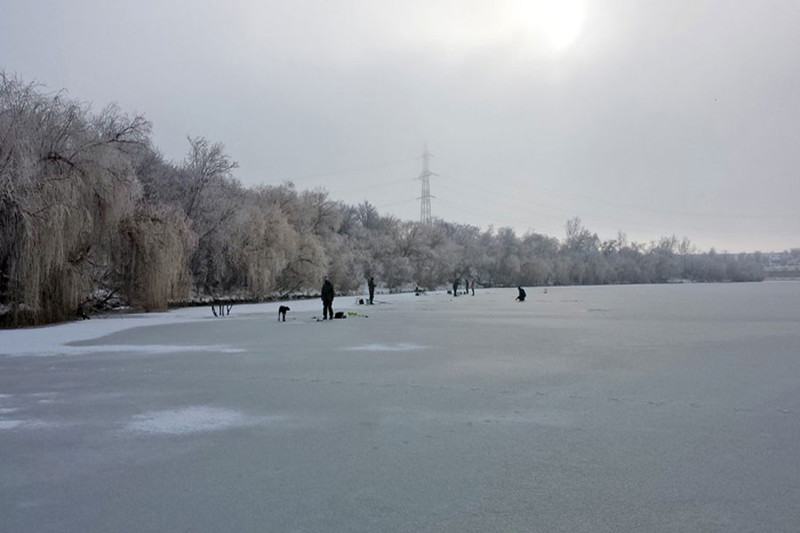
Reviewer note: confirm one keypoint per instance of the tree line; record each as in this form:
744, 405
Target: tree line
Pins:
93, 216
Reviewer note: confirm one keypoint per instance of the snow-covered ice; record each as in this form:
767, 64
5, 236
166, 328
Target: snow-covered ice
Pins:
187, 420
635, 408
397, 347
59, 339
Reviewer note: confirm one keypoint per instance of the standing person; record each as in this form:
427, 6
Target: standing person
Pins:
455, 287
327, 299
371, 285
473, 287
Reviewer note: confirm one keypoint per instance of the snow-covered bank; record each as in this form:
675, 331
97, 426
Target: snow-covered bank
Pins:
56, 339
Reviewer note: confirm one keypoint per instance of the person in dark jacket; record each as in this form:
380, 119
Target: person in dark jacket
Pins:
371, 285
327, 299
521, 297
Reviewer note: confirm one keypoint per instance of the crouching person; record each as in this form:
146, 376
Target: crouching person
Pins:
521, 297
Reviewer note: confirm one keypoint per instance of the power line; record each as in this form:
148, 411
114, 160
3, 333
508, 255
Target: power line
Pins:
398, 202
378, 186
546, 190
611, 223
351, 170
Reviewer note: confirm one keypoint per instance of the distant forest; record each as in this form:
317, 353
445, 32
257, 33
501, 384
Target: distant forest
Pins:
93, 217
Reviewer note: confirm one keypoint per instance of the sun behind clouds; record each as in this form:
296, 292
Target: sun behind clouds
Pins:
559, 22
534, 28
324, 32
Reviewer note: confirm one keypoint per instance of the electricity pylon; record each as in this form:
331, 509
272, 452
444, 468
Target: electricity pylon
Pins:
425, 200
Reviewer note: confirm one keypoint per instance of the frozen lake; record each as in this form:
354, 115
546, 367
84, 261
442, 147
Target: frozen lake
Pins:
671, 408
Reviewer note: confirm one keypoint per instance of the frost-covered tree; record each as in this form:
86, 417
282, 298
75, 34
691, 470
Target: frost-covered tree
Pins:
261, 245
210, 196
582, 253
66, 183
153, 256
665, 263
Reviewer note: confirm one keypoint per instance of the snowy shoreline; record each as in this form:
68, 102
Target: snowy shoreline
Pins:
55, 339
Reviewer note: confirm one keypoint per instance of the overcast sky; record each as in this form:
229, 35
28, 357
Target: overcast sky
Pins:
650, 117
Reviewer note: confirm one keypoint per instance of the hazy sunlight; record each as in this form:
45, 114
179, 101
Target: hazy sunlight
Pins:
558, 21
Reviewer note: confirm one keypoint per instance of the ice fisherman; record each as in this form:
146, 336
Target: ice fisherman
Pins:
521, 296
455, 287
371, 285
327, 299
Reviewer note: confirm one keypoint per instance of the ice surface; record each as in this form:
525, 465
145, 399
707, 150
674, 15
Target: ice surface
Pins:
583, 409
399, 347
24, 424
186, 420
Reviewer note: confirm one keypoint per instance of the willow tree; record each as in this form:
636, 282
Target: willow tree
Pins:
66, 182
152, 257
260, 244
